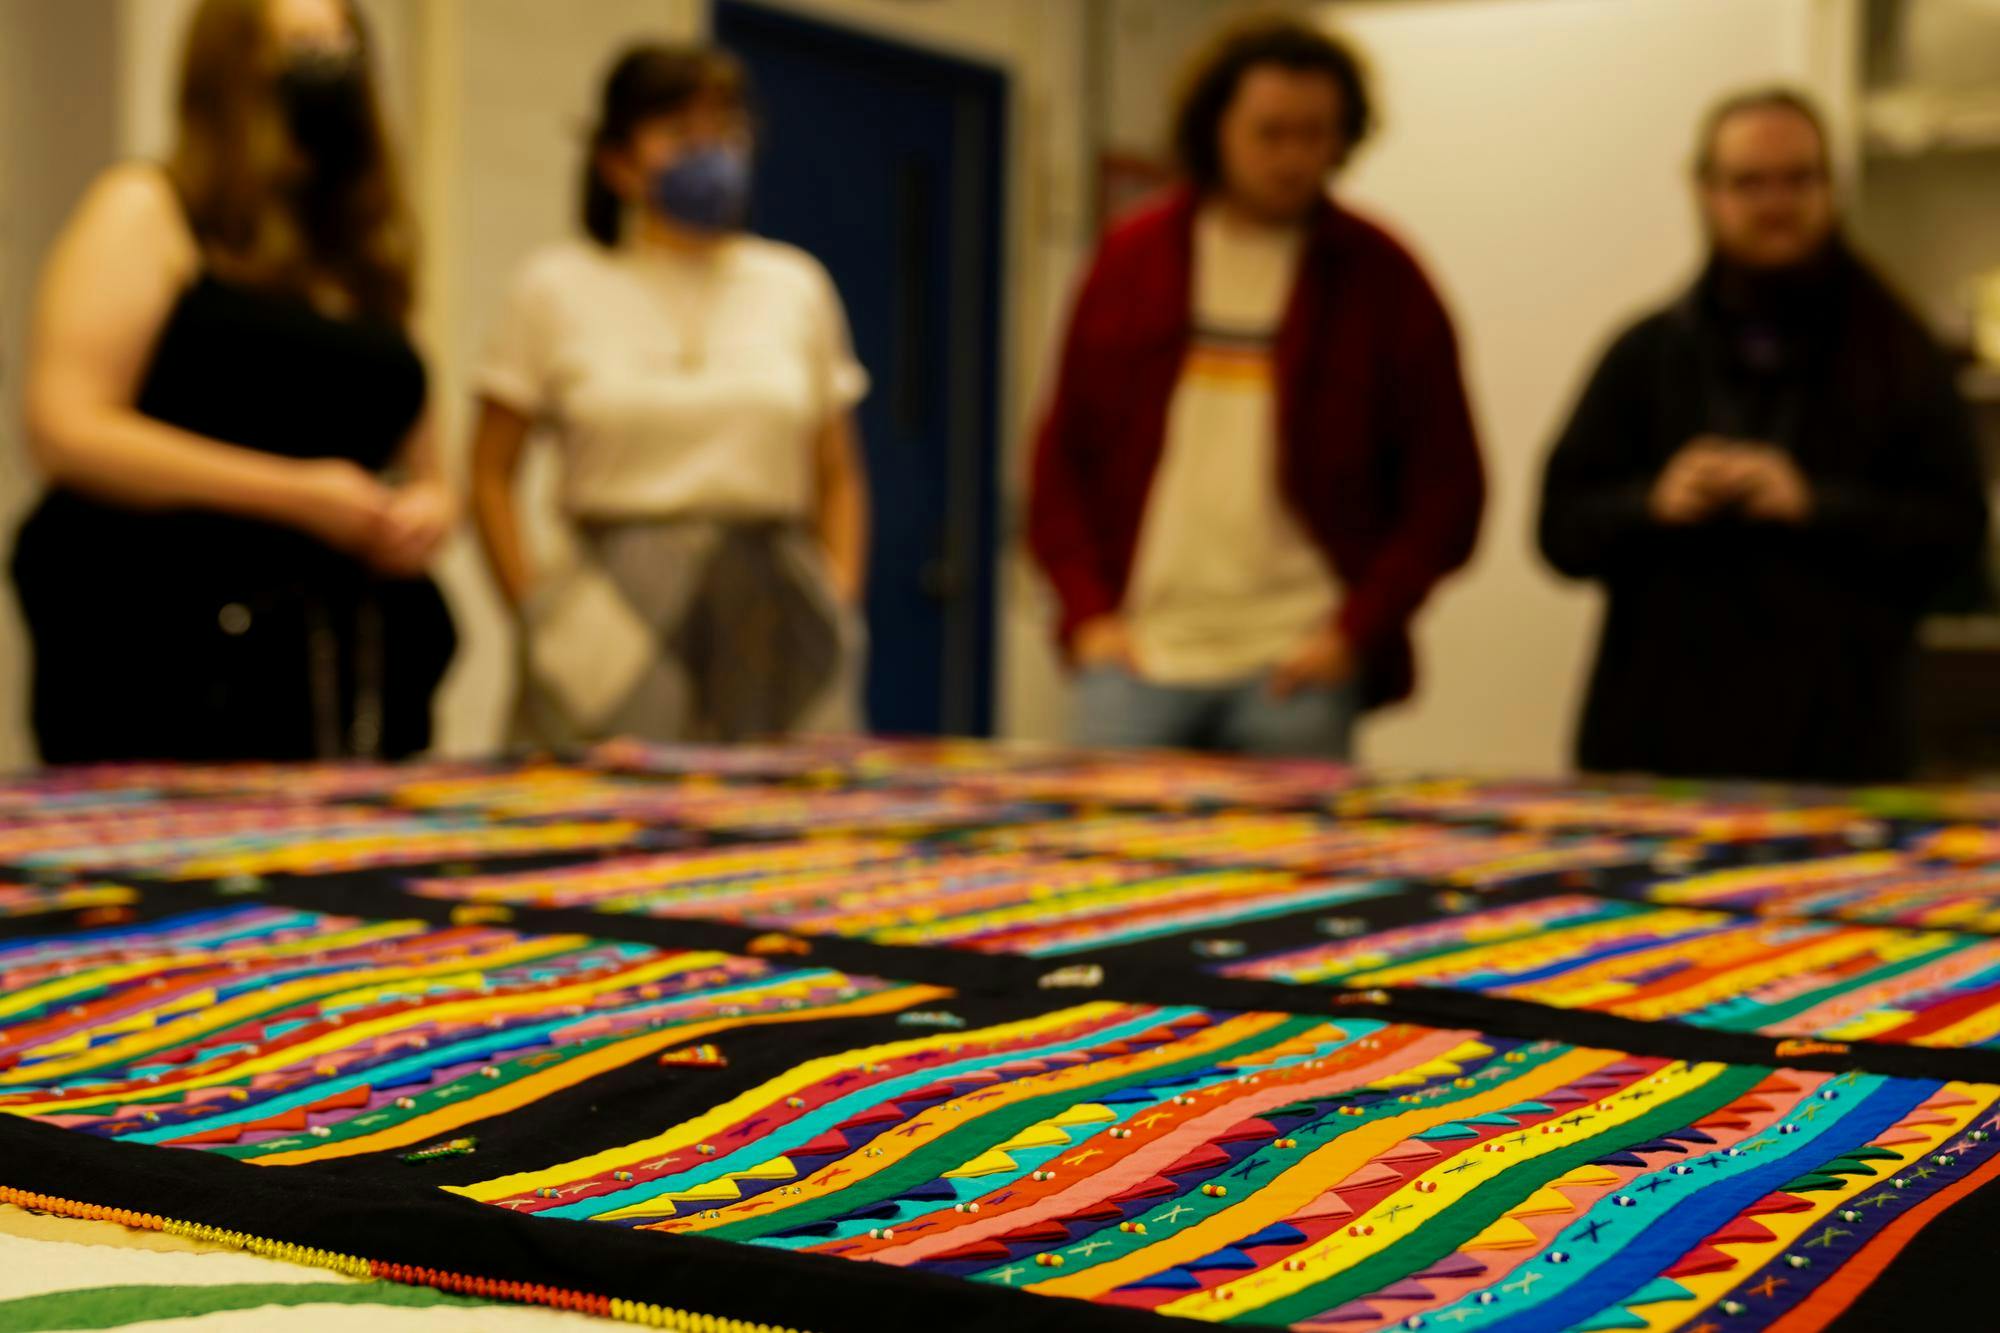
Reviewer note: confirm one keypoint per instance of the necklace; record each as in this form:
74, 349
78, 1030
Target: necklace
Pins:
700, 273
694, 338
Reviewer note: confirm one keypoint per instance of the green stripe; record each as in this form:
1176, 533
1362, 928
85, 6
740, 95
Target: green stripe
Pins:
1487, 1203
985, 1131
754, 991
1450, 952
1766, 1017
1264, 1165
114, 1307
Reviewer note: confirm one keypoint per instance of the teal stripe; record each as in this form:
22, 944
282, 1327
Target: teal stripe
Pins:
818, 1121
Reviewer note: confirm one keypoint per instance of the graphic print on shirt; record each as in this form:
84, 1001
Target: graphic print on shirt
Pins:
1225, 583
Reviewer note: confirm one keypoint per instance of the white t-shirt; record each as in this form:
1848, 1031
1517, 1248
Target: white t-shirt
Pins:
677, 383
1226, 584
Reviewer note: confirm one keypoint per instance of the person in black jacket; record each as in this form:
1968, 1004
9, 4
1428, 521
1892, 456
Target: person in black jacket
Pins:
1772, 477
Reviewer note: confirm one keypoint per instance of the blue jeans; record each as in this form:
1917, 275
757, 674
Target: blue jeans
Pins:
1117, 710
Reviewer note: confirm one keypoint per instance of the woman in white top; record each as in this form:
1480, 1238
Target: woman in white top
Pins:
700, 384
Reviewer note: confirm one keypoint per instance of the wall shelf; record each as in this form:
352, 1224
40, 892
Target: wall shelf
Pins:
1915, 121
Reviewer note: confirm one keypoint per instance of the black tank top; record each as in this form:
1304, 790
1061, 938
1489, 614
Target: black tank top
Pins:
269, 372
233, 617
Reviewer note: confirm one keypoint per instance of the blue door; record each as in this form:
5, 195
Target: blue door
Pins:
883, 160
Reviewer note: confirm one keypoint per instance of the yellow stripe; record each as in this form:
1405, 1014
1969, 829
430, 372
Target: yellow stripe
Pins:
1825, 874
803, 1076
1743, 979
571, 1072
713, 870
1061, 907
1315, 1173
1751, 1256
476, 1006
941, 1120
1969, 1031
16, 1001
215, 1018
1340, 1251
1540, 944
333, 853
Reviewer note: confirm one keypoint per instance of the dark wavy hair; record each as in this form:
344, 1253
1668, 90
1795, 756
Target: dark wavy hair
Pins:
1217, 70
649, 80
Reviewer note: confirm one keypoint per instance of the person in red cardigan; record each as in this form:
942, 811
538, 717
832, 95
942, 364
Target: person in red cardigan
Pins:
1258, 459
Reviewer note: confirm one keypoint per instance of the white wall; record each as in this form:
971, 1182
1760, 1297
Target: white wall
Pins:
1150, 45
57, 126
1533, 152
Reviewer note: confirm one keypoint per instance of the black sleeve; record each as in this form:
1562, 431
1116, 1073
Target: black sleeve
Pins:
1921, 517
1600, 473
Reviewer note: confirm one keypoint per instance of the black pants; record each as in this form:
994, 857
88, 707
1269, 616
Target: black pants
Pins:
194, 637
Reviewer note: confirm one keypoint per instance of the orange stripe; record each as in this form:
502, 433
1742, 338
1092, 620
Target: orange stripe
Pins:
1212, 363
535, 1086
1841, 1291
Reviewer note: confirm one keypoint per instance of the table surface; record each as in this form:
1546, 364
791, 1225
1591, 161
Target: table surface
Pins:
877, 1035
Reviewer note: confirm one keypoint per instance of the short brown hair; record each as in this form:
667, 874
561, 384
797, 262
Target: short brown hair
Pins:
651, 79
1774, 98
236, 169
1217, 70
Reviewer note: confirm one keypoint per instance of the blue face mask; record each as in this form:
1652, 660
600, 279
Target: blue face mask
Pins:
707, 189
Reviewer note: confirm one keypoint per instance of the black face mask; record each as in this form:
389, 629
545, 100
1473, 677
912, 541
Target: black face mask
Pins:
325, 103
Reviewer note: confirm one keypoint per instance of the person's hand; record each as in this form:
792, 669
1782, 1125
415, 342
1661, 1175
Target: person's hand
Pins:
1105, 641
1695, 484
1324, 659
846, 583
419, 518
1767, 484
342, 505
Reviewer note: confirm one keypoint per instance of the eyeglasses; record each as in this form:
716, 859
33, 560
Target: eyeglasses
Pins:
1796, 180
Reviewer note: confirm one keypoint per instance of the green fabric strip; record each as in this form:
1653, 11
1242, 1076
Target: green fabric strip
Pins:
115, 1307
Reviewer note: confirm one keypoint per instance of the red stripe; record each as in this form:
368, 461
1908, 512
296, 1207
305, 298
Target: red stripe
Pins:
1841, 1291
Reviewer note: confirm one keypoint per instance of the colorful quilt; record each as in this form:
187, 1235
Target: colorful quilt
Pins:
1912, 887
1784, 976
856, 1034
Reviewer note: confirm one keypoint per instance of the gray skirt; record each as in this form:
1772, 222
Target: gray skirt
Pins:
688, 629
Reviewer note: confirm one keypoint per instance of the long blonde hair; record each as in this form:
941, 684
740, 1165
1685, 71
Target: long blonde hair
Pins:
241, 176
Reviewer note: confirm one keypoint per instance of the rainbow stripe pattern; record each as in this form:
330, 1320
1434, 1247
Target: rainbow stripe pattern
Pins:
1032, 903
1263, 1168
278, 1037
1902, 888
1317, 843
1781, 977
1264, 1044
21, 900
